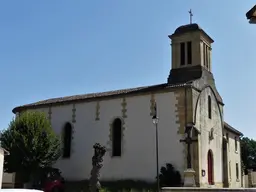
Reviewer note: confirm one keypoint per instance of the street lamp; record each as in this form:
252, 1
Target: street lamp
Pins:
155, 120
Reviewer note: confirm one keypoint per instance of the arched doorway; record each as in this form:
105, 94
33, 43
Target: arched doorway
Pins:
210, 168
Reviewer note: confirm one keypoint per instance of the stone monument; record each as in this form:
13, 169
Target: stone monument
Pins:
189, 173
97, 163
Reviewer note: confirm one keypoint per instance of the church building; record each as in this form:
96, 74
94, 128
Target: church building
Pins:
121, 120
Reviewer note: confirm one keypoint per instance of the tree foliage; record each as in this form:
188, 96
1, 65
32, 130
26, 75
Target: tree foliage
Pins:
31, 142
248, 153
169, 176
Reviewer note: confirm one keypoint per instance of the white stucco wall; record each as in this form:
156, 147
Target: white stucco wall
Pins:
234, 156
138, 160
1, 166
204, 124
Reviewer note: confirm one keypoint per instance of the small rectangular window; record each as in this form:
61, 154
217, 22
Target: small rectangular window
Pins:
209, 107
206, 57
189, 52
236, 144
237, 171
229, 166
227, 137
182, 54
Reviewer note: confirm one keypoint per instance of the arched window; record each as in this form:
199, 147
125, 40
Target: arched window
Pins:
210, 168
67, 132
209, 107
117, 138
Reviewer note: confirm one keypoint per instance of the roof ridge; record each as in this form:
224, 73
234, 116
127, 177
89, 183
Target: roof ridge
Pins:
79, 97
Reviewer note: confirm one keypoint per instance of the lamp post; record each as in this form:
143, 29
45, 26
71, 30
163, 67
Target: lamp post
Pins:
155, 120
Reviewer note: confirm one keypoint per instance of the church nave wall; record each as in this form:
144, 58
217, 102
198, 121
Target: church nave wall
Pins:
93, 122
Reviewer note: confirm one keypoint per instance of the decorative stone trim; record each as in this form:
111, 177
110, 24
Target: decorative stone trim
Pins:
74, 113
184, 108
184, 114
152, 105
97, 111
124, 110
110, 136
50, 113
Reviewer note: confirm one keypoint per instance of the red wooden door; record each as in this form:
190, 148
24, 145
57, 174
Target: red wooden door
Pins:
210, 168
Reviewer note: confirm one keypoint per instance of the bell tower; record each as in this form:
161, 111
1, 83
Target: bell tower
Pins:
191, 53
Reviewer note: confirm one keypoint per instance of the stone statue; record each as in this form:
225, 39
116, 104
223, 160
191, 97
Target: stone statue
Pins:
97, 160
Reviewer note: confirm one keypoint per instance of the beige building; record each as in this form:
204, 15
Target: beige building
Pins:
122, 121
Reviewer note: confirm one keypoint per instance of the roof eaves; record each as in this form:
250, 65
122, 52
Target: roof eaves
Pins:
90, 96
251, 13
232, 129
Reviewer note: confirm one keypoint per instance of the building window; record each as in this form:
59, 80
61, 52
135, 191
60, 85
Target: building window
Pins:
237, 171
182, 54
236, 144
189, 52
229, 167
227, 137
117, 138
206, 56
209, 107
67, 140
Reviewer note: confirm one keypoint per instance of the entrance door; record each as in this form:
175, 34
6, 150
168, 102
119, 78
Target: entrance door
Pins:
210, 168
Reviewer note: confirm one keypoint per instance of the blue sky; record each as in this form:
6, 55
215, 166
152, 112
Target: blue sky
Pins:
59, 48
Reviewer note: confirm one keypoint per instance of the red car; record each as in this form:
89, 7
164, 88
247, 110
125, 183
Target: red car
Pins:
50, 180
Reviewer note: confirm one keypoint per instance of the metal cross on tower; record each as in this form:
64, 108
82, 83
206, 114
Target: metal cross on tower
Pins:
190, 15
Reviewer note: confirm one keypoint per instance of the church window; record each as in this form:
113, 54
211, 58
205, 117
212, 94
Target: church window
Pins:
229, 167
227, 137
67, 140
117, 138
237, 171
209, 107
206, 56
189, 52
182, 54
236, 144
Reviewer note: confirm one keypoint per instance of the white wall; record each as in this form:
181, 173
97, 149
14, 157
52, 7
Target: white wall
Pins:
204, 124
234, 156
139, 159
1, 166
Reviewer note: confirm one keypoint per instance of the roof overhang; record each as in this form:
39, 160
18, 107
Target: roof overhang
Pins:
251, 15
232, 129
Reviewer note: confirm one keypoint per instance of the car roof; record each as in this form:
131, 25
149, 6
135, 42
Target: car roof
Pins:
20, 190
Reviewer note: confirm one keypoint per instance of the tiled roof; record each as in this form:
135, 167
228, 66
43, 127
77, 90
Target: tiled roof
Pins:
232, 129
90, 96
189, 28
251, 13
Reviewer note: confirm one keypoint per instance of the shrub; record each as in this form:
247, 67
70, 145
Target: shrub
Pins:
169, 176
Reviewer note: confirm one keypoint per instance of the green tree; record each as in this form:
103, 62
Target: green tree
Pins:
248, 153
31, 142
